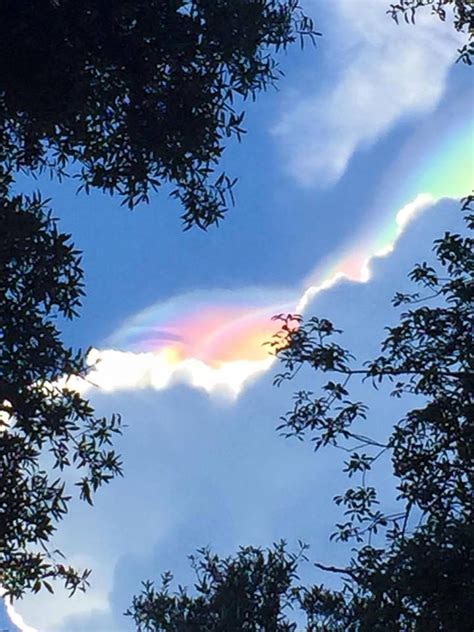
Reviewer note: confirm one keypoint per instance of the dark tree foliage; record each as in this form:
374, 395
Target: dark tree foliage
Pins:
132, 94
461, 11
249, 592
412, 570
44, 426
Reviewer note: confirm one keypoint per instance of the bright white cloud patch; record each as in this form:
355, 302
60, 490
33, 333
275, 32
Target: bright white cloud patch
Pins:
382, 73
115, 370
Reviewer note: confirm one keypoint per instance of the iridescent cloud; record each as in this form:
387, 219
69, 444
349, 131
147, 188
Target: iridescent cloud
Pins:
215, 339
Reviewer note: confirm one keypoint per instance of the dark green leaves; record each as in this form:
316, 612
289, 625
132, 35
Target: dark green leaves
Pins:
46, 427
253, 591
132, 96
461, 12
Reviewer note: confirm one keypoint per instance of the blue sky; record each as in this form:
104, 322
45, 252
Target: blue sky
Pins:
203, 468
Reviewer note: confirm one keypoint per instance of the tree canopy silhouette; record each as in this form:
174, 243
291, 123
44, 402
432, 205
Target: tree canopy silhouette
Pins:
412, 570
250, 592
44, 425
135, 94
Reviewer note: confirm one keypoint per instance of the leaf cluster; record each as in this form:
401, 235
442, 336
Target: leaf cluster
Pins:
132, 95
44, 425
249, 592
462, 12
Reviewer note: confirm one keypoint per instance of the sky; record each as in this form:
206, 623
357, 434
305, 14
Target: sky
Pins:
346, 175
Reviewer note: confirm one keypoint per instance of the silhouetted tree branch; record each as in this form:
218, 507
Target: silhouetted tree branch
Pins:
134, 95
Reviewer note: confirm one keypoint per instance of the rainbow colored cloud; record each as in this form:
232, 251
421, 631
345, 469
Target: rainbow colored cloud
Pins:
215, 339
213, 327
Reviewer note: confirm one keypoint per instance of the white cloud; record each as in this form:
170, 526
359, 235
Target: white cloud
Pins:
388, 73
115, 370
